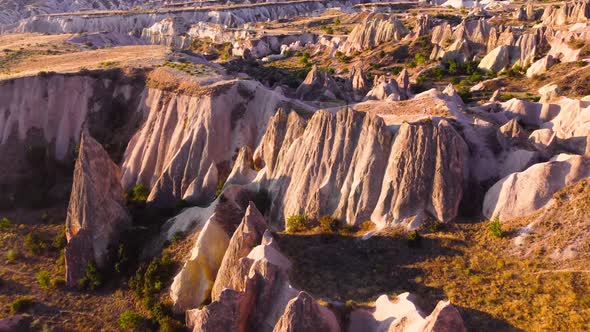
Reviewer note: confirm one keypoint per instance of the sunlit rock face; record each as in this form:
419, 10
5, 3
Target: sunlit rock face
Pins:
362, 169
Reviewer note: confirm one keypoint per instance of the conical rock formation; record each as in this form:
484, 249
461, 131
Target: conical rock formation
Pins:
96, 213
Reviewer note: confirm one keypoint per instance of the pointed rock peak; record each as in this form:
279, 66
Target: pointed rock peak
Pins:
96, 213
248, 235
303, 313
243, 171
445, 317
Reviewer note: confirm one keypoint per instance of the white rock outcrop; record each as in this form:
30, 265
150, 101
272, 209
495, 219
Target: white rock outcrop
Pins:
521, 194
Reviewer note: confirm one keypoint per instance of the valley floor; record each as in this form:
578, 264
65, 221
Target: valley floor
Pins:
493, 288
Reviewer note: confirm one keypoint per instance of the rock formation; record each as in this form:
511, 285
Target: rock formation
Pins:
187, 142
521, 194
247, 236
569, 12
426, 174
17, 323
255, 293
319, 85
436, 161
193, 284
135, 22
304, 314
497, 60
171, 31
358, 81
96, 214
373, 31
403, 314
540, 66
384, 89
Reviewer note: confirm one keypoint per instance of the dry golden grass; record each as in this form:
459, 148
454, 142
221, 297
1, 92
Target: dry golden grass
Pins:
562, 225
55, 308
493, 290
30, 60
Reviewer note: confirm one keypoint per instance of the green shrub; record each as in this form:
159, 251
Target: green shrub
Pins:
4, 224
329, 224
139, 193
168, 324
60, 240
495, 228
34, 243
420, 59
21, 304
92, 279
43, 279
11, 255
297, 223
130, 320
150, 280
327, 29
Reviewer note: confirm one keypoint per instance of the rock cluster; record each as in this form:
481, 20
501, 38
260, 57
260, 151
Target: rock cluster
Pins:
373, 31
319, 85
567, 13
359, 171
187, 142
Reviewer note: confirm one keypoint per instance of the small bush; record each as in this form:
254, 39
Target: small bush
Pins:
92, 279
420, 59
4, 224
150, 280
34, 243
168, 324
43, 279
60, 240
11, 255
495, 228
139, 193
130, 320
21, 304
329, 224
298, 223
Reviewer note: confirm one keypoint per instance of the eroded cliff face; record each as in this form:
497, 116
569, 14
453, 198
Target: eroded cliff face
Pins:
135, 22
186, 145
350, 165
41, 119
373, 31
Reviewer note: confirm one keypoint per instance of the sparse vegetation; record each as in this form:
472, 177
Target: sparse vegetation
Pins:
43, 279
495, 228
131, 320
92, 279
35, 243
11, 255
329, 224
297, 223
150, 279
4, 224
